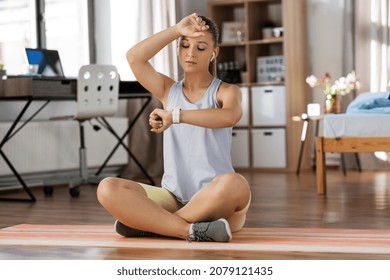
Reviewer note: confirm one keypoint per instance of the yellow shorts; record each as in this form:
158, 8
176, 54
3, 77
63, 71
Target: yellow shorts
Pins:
168, 201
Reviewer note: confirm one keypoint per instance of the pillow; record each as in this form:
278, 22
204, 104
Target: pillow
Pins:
370, 102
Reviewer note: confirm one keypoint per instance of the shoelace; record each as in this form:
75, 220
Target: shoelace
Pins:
199, 234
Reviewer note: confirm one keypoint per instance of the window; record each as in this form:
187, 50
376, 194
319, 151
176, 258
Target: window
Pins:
124, 34
132, 21
66, 30
17, 30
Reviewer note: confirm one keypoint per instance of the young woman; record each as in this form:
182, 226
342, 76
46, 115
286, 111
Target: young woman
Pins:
201, 198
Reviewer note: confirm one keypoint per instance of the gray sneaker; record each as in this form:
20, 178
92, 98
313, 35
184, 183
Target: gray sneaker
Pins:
132, 232
216, 231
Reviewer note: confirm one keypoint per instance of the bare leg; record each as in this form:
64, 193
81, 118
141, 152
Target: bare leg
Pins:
127, 201
225, 195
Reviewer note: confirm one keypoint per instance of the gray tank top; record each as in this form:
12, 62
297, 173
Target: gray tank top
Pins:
194, 155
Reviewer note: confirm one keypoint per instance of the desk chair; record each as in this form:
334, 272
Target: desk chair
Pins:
97, 96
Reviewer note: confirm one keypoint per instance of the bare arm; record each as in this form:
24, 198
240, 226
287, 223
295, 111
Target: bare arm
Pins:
227, 116
138, 56
229, 97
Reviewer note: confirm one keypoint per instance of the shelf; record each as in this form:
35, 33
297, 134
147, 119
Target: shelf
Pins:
255, 14
256, 84
278, 40
228, 2
232, 44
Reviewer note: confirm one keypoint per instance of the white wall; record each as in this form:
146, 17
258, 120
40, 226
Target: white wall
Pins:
190, 6
103, 31
325, 20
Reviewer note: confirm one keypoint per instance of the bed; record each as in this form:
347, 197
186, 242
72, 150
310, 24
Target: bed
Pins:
350, 133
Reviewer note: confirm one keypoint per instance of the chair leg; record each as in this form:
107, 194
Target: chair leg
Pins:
83, 177
74, 185
83, 154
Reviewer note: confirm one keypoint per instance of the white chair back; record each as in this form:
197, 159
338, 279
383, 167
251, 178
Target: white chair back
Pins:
97, 91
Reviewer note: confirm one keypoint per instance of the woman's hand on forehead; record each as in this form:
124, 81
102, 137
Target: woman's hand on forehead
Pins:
192, 26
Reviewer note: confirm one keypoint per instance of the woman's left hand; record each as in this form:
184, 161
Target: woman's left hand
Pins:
160, 120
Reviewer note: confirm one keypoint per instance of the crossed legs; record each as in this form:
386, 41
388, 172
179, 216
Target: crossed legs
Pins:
128, 202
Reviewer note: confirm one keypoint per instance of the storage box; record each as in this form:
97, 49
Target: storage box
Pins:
270, 68
244, 121
240, 148
269, 148
269, 106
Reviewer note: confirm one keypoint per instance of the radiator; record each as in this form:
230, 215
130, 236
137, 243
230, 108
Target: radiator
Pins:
47, 146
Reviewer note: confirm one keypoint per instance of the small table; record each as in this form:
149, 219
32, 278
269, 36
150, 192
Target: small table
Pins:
316, 119
306, 120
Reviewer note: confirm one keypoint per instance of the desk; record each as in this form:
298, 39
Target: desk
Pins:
31, 89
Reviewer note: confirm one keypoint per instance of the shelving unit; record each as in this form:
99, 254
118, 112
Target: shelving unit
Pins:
260, 97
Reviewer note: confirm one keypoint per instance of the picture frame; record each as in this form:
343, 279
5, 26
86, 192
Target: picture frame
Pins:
232, 32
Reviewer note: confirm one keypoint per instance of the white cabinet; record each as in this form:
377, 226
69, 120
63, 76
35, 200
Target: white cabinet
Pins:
240, 148
269, 148
269, 105
244, 121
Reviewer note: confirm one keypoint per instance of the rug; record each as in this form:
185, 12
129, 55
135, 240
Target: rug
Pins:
248, 239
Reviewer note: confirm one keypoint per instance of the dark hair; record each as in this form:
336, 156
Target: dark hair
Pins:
213, 29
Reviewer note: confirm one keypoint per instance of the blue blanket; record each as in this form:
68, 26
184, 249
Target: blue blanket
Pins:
370, 103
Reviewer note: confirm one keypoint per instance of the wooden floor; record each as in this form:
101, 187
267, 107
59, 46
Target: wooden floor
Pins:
279, 200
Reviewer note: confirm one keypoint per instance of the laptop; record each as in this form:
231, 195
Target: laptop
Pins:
48, 61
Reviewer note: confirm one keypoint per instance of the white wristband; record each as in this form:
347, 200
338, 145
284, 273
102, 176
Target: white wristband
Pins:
176, 115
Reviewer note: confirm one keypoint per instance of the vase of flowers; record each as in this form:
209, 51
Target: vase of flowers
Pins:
332, 104
342, 86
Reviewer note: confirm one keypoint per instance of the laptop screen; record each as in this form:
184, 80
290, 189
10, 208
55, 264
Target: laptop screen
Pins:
48, 60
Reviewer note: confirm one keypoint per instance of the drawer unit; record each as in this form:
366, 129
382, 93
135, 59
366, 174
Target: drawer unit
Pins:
240, 148
244, 121
269, 148
269, 106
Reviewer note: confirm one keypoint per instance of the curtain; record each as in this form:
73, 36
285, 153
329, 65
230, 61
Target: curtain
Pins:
379, 51
372, 43
349, 45
366, 42
369, 42
153, 16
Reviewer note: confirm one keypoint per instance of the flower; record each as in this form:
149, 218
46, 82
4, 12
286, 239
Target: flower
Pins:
342, 86
1, 65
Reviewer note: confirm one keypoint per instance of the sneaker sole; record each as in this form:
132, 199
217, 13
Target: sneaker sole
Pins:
125, 231
227, 227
